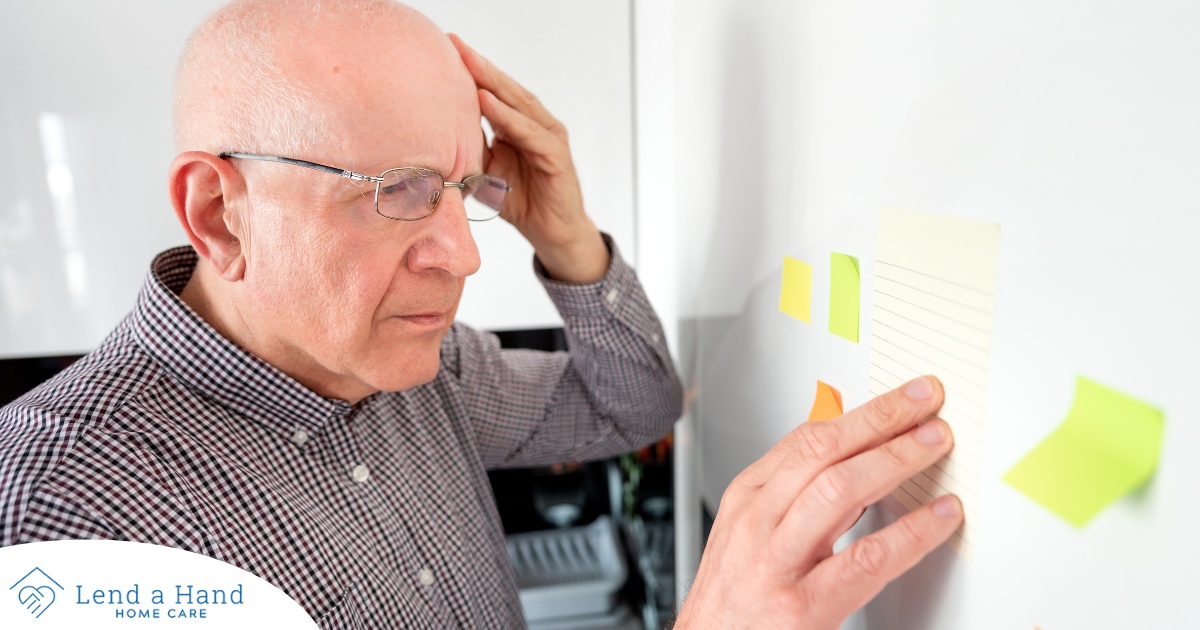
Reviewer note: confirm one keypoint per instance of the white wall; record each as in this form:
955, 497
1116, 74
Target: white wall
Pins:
1073, 126
85, 143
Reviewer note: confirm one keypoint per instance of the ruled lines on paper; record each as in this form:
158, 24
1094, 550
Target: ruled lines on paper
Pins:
934, 296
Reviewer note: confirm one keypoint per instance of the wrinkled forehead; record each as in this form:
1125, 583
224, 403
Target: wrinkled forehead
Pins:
395, 87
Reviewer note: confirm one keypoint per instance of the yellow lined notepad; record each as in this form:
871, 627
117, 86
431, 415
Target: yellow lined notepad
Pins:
935, 283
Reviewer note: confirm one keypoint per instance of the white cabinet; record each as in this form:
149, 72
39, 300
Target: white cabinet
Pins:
85, 144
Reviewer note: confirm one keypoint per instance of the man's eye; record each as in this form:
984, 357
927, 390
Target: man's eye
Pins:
399, 186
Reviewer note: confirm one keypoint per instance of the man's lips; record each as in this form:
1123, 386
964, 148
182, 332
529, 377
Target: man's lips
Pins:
431, 319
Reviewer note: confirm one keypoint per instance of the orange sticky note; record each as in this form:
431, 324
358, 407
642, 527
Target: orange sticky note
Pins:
828, 404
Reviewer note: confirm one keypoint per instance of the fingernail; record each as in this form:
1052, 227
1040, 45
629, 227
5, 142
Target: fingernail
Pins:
946, 507
919, 389
931, 433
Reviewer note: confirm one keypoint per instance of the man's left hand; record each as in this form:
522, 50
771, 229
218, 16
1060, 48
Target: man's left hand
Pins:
530, 150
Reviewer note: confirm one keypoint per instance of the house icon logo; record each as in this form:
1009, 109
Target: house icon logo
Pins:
35, 591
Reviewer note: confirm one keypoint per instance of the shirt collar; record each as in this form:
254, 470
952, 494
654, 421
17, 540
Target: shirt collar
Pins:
171, 332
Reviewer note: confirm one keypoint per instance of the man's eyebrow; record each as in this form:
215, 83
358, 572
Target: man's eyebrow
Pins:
379, 167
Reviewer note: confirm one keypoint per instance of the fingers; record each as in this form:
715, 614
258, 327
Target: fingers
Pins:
784, 513
488, 77
889, 415
814, 446
849, 579
510, 125
838, 494
515, 114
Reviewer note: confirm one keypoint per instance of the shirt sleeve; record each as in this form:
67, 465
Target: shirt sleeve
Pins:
615, 390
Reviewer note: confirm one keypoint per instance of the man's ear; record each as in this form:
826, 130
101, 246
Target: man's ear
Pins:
202, 187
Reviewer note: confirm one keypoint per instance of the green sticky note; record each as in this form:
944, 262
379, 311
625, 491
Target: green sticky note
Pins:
1106, 448
843, 296
795, 297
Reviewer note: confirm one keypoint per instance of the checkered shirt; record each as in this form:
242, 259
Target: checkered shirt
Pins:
372, 515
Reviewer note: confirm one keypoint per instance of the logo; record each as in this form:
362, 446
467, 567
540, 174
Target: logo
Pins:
104, 584
37, 591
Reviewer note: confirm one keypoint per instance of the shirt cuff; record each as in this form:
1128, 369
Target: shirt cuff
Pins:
606, 295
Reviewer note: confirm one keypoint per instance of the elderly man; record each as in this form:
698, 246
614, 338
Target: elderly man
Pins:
291, 395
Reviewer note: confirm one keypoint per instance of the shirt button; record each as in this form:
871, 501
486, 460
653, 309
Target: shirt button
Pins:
612, 296
299, 437
360, 473
654, 337
425, 577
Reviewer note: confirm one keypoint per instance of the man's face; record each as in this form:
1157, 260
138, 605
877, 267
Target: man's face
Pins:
349, 301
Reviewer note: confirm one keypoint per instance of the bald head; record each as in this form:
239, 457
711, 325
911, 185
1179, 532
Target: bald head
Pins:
285, 76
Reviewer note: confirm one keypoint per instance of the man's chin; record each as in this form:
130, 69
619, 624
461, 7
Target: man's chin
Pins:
395, 378
393, 365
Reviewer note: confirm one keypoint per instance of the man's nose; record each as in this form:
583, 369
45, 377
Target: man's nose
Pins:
447, 242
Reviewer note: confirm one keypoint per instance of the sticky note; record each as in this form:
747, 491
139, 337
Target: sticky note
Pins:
932, 305
843, 296
828, 404
1105, 448
795, 296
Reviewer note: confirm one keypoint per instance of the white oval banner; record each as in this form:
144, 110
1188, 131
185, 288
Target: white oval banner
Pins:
112, 584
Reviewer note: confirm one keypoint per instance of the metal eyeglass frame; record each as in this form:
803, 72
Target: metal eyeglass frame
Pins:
360, 177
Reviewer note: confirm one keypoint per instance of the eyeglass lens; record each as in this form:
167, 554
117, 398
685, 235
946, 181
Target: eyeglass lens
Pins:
411, 193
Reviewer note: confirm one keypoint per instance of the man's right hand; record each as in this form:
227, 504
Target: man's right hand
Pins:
769, 561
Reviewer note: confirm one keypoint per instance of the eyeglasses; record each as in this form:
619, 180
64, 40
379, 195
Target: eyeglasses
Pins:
410, 193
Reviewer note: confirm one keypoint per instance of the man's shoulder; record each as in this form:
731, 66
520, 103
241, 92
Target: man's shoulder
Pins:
45, 423
44, 429
87, 392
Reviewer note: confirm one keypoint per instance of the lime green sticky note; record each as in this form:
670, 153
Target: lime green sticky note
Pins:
843, 296
795, 297
1106, 448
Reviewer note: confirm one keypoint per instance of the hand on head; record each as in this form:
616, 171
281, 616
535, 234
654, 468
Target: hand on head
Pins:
769, 561
531, 151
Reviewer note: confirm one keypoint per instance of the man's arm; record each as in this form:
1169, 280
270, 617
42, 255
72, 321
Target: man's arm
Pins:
616, 390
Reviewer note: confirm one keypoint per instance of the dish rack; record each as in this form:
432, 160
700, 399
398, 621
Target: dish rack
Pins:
568, 573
